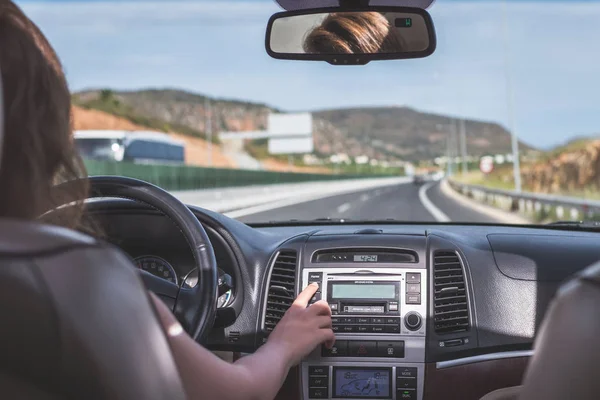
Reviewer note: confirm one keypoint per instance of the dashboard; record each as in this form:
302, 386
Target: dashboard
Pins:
419, 311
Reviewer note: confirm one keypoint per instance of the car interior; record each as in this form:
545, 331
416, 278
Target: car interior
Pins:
420, 310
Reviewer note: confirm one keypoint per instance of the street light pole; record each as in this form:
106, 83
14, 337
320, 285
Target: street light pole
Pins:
463, 146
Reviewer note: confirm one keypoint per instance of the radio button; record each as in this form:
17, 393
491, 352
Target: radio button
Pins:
315, 298
333, 306
378, 329
413, 277
348, 320
406, 383
348, 328
336, 320
336, 328
392, 328
315, 277
390, 349
318, 393
413, 299
413, 288
393, 306
339, 349
361, 320
363, 329
318, 381
321, 370
362, 349
406, 394
377, 320
392, 320
406, 372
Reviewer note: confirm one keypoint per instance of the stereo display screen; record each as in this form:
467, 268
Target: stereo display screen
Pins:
362, 291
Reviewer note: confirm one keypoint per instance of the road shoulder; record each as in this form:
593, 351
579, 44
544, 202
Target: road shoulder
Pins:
495, 214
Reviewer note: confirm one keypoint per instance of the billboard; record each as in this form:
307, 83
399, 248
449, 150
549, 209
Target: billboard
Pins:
301, 145
290, 133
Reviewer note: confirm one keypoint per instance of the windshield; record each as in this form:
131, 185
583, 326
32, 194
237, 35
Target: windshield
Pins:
499, 125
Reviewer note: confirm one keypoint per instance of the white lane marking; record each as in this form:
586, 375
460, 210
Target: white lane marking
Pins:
365, 197
343, 208
433, 210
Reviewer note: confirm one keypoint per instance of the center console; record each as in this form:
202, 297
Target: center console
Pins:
378, 304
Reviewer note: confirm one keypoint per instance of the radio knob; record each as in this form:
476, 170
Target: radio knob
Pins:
413, 321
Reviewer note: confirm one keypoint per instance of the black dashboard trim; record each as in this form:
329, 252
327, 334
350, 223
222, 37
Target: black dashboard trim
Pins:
501, 307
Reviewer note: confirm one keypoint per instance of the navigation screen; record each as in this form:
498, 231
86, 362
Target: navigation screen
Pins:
371, 383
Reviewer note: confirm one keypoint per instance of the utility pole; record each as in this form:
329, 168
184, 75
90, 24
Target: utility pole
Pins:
463, 146
510, 103
450, 147
208, 126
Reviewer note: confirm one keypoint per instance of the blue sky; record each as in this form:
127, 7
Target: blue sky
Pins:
217, 47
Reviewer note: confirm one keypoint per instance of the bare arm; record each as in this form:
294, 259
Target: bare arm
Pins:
260, 375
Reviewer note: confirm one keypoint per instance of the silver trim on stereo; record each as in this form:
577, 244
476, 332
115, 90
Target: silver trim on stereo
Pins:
483, 357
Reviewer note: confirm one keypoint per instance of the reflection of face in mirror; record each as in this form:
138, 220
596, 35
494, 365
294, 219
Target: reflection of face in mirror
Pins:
369, 32
354, 33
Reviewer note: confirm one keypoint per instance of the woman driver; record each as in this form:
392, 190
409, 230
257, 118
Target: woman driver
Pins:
38, 152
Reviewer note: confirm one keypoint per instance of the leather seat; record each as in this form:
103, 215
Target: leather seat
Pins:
567, 347
76, 321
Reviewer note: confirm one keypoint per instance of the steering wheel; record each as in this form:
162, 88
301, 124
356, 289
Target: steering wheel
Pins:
195, 308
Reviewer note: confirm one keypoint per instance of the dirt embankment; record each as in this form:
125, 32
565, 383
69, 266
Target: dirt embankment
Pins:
568, 172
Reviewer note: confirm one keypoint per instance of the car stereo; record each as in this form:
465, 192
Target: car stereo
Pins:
374, 300
378, 316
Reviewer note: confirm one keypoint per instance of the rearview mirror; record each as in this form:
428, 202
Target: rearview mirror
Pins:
351, 37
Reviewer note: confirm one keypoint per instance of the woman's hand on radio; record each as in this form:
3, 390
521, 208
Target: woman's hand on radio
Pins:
302, 329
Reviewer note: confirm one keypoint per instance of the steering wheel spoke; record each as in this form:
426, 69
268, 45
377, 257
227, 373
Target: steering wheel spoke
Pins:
159, 286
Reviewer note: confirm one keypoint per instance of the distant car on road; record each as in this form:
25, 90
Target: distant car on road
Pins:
419, 179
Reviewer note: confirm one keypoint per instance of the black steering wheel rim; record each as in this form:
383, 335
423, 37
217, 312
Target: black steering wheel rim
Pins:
195, 308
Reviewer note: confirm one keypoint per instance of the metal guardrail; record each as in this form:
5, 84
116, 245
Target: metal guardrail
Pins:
538, 206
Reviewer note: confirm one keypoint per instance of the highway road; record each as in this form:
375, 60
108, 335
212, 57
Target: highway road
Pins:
402, 202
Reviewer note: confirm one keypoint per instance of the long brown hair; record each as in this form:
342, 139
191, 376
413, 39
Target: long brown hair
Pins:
38, 149
352, 33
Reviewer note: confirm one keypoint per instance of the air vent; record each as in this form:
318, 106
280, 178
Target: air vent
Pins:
451, 311
282, 287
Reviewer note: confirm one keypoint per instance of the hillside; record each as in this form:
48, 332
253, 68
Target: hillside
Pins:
385, 133
412, 135
572, 168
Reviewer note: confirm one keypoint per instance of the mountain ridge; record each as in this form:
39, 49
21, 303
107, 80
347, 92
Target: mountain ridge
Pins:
390, 133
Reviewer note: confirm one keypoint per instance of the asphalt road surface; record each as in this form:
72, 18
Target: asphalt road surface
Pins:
404, 202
